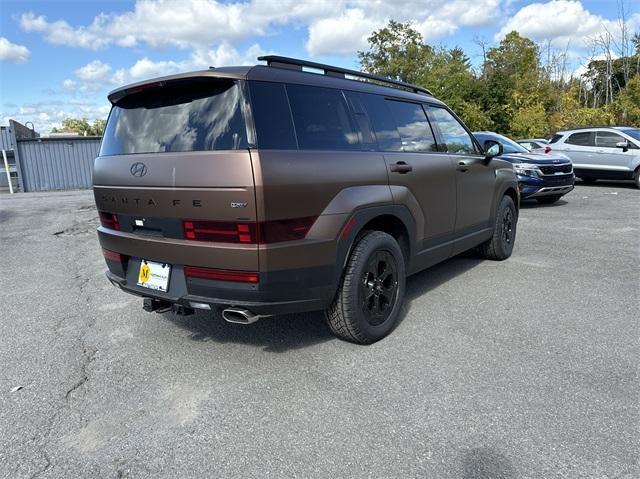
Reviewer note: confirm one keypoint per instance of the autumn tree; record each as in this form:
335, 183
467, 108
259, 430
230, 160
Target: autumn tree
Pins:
81, 126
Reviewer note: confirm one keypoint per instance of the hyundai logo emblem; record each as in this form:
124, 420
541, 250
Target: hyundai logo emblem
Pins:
138, 169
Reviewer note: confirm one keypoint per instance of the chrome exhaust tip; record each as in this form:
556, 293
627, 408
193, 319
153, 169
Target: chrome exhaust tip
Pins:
240, 316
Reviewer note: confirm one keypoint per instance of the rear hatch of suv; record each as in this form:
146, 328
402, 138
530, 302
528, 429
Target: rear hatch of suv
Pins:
174, 181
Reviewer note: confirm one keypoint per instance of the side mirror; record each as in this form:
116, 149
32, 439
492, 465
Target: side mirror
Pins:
623, 144
492, 149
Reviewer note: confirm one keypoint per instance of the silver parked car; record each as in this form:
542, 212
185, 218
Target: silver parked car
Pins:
611, 153
536, 145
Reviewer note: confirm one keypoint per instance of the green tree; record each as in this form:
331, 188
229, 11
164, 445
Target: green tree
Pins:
513, 74
396, 51
627, 104
81, 126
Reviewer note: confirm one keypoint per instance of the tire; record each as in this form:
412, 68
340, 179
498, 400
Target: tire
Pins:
636, 178
588, 180
548, 200
368, 302
500, 246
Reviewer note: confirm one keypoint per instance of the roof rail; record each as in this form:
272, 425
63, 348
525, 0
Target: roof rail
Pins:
295, 64
595, 126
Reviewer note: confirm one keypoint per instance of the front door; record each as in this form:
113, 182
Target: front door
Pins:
608, 155
475, 177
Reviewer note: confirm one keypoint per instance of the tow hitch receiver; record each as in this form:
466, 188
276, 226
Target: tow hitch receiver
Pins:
150, 305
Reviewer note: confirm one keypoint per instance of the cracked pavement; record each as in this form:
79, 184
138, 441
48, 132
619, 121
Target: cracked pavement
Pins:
524, 368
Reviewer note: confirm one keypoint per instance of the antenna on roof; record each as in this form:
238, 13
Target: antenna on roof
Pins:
299, 65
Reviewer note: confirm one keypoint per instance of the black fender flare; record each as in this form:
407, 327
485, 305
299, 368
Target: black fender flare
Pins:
356, 222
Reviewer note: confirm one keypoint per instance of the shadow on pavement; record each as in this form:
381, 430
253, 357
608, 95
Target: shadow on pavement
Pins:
276, 334
624, 184
279, 334
530, 204
486, 463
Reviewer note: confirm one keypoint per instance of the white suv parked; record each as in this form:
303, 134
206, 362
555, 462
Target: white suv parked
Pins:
601, 153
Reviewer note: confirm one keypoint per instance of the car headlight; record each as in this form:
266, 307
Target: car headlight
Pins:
526, 169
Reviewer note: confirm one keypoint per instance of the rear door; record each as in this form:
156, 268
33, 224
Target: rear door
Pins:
176, 152
580, 148
414, 163
475, 177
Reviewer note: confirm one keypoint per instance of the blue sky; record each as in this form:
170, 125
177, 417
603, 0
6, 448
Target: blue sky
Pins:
60, 58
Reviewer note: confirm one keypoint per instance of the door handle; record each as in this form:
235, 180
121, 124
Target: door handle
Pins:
401, 167
462, 166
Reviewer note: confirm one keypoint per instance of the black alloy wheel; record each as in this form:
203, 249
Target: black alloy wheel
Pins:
507, 227
379, 287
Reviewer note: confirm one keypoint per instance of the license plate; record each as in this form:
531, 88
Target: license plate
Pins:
154, 275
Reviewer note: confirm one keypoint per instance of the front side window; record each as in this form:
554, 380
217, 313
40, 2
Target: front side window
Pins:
581, 139
456, 138
189, 115
608, 139
322, 119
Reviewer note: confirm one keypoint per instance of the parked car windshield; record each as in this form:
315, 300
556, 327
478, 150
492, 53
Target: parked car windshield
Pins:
194, 115
632, 132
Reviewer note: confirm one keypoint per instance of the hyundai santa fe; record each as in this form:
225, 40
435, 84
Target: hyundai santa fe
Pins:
262, 190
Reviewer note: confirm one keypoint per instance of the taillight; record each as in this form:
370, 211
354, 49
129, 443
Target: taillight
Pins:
248, 233
220, 231
112, 256
221, 274
109, 220
547, 149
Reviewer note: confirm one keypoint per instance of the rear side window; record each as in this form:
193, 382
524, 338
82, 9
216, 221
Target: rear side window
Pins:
190, 115
555, 138
322, 119
413, 126
382, 122
455, 136
584, 138
397, 125
274, 126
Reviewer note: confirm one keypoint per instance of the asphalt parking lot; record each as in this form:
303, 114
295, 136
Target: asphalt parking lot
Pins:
522, 368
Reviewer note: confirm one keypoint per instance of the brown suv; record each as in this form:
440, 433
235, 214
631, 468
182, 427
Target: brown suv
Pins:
274, 189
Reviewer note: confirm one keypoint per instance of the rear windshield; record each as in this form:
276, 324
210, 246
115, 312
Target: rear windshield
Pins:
194, 115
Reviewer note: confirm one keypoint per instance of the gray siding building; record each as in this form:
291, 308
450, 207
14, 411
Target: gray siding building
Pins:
39, 163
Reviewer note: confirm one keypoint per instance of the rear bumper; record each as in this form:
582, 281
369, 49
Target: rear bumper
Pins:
534, 187
277, 293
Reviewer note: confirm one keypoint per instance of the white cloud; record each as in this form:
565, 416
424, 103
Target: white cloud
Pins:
12, 52
96, 75
335, 26
93, 71
341, 35
69, 85
562, 22
46, 115
181, 23
347, 29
